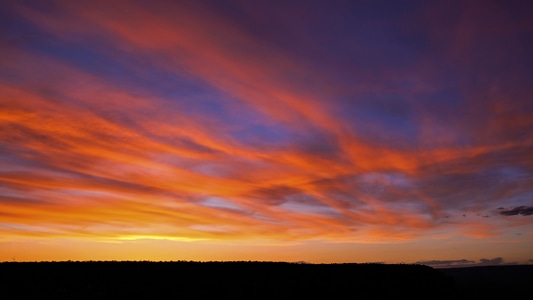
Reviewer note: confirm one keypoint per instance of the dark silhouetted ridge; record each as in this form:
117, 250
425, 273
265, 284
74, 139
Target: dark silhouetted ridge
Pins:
220, 280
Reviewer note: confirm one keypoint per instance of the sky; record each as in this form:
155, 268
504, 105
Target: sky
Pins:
317, 131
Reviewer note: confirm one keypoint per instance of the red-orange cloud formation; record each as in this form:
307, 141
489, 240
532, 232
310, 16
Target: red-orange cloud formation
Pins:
193, 121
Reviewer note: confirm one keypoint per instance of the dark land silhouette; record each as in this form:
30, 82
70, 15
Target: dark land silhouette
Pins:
252, 280
492, 281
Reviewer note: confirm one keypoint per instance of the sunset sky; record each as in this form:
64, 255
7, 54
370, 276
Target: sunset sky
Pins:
319, 131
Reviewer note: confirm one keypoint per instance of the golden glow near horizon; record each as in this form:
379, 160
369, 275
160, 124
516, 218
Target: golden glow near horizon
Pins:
163, 130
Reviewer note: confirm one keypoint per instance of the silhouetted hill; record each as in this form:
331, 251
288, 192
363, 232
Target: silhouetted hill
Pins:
492, 281
220, 280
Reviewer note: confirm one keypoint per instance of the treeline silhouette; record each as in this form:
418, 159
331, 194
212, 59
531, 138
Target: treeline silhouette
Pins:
221, 280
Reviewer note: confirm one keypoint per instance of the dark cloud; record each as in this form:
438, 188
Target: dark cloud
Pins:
464, 262
446, 263
491, 262
519, 210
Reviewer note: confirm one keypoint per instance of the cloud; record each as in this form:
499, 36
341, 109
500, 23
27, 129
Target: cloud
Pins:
519, 210
463, 263
446, 263
494, 261
152, 111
